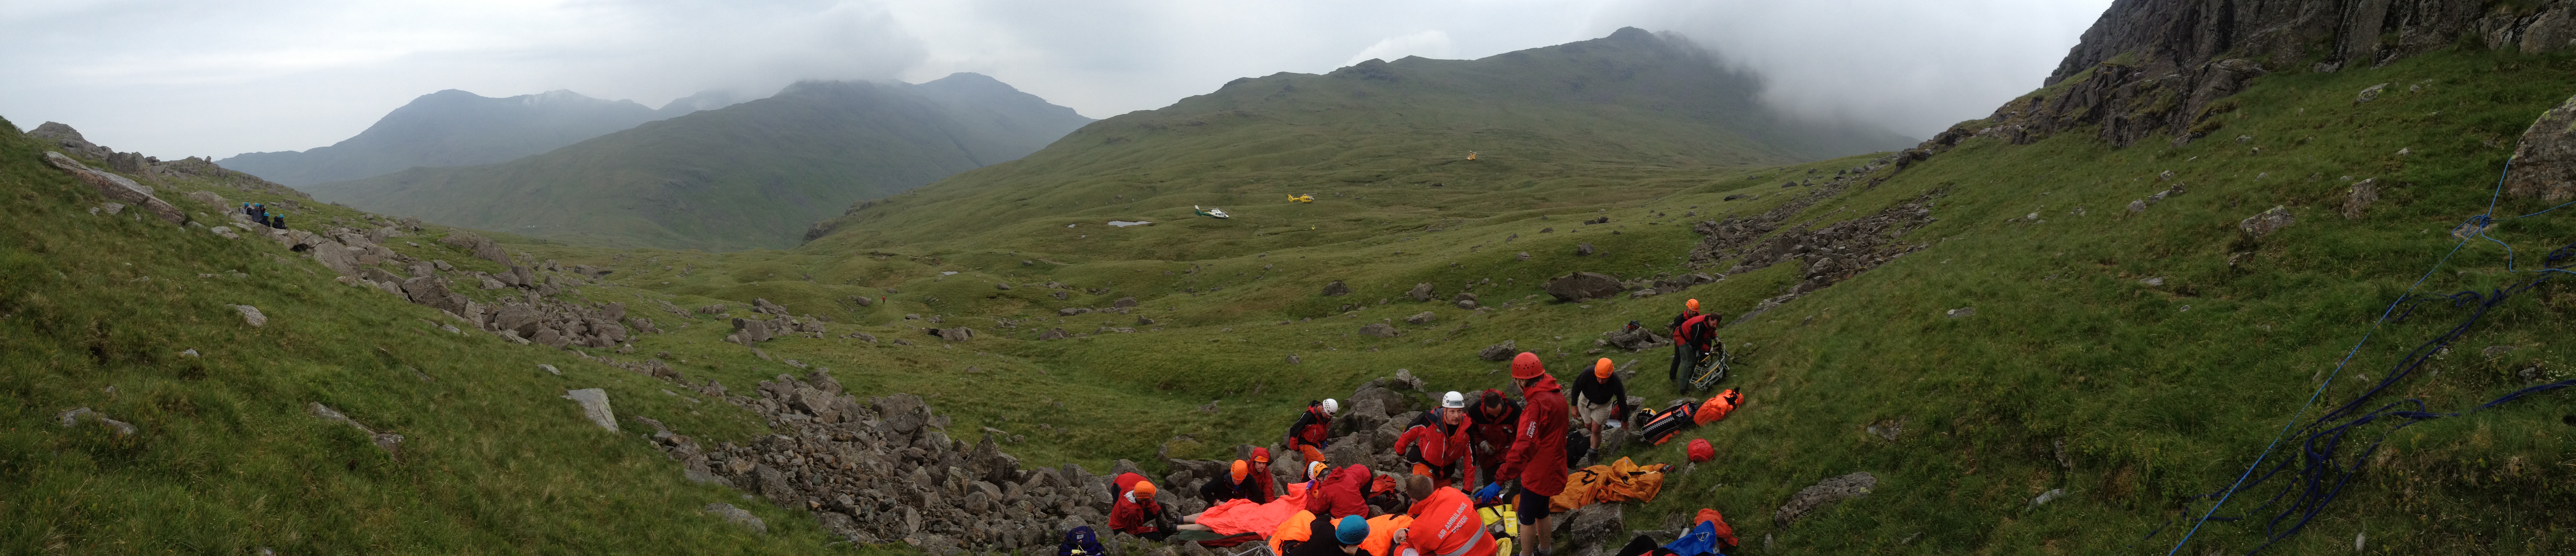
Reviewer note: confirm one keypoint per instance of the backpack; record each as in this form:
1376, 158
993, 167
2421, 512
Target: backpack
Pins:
1080, 542
1718, 406
1662, 425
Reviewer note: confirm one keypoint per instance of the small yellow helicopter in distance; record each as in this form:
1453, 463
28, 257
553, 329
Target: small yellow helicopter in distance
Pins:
1308, 198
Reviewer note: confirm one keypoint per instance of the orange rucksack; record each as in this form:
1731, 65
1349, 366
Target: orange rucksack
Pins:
1717, 407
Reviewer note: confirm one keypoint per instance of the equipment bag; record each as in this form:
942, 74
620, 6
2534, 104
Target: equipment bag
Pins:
1717, 407
1504, 523
1080, 542
1700, 451
1664, 424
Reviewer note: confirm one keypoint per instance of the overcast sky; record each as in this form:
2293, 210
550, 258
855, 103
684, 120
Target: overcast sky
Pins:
181, 78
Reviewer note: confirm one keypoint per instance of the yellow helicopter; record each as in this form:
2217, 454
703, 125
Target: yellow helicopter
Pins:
1309, 198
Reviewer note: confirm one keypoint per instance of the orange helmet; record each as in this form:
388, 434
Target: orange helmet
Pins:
1692, 304
1261, 455
1241, 470
1144, 490
1315, 470
1601, 369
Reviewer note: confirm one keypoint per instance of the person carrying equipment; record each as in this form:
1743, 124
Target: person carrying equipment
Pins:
1312, 431
1335, 538
1340, 492
1693, 336
1599, 398
1489, 429
1436, 443
1134, 511
1444, 523
1537, 456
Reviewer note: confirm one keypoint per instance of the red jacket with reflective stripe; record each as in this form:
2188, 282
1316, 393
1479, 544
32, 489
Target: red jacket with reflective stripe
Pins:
1446, 524
1537, 457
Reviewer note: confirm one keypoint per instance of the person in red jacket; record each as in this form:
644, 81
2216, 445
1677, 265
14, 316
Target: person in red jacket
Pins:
1489, 430
1437, 442
1444, 523
1134, 511
1537, 457
1692, 334
1313, 430
1261, 475
1339, 493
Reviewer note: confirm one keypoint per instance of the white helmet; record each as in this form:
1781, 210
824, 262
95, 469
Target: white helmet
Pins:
1331, 407
1453, 400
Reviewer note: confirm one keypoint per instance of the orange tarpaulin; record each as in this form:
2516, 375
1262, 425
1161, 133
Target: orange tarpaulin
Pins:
1239, 516
1620, 481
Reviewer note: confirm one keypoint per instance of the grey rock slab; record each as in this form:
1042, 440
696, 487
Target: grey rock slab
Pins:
251, 315
594, 405
738, 516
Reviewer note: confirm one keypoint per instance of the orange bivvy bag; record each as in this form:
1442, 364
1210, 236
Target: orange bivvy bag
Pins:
1717, 407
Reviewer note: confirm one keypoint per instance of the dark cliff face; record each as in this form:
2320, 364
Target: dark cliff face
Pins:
2151, 66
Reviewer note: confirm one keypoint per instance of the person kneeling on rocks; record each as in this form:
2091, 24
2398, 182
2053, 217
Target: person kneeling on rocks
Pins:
1311, 433
1135, 512
1444, 523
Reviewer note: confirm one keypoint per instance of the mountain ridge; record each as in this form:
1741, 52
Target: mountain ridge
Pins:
454, 127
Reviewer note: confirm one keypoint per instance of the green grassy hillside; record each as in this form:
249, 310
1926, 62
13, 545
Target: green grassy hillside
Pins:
131, 317
2072, 374
754, 174
1619, 118
451, 128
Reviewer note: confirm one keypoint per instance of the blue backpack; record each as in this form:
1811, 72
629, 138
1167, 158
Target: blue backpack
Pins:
1080, 542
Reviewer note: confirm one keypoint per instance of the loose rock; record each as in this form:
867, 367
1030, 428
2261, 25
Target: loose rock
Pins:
594, 405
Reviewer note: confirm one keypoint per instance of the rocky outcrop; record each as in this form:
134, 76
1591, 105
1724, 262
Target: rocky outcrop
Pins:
117, 187
1380, 330
1499, 352
1336, 289
2544, 162
1584, 285
1825, 492
2150, 67
594, 405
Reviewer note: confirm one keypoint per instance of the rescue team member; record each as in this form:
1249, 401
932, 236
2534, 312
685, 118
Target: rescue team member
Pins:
1692, 334
1312, 431
1260, 477
1489, 428
1235, 486
1444, 523
1437, 443
1598, 397
1537, 457
1134, 511
1340, 492
1335, 540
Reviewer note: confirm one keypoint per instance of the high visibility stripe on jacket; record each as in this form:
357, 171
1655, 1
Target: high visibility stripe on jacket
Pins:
1446, 524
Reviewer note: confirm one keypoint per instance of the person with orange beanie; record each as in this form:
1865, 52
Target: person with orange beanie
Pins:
1537, 456
1599, 398
1444, 523
1134, 511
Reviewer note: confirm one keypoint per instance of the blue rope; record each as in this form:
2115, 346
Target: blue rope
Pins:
2325, 439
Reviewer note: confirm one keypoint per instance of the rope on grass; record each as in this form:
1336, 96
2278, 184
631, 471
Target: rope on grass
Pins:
2319, 475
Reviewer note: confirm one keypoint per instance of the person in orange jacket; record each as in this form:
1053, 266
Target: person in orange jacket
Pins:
1537, 457
1134, 511
1444, 523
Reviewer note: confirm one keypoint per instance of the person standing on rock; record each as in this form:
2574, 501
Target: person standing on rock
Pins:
1489, 428
1598, 398
1313, 430
1537, 456
1444, 523
1437, 443
1134, 511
